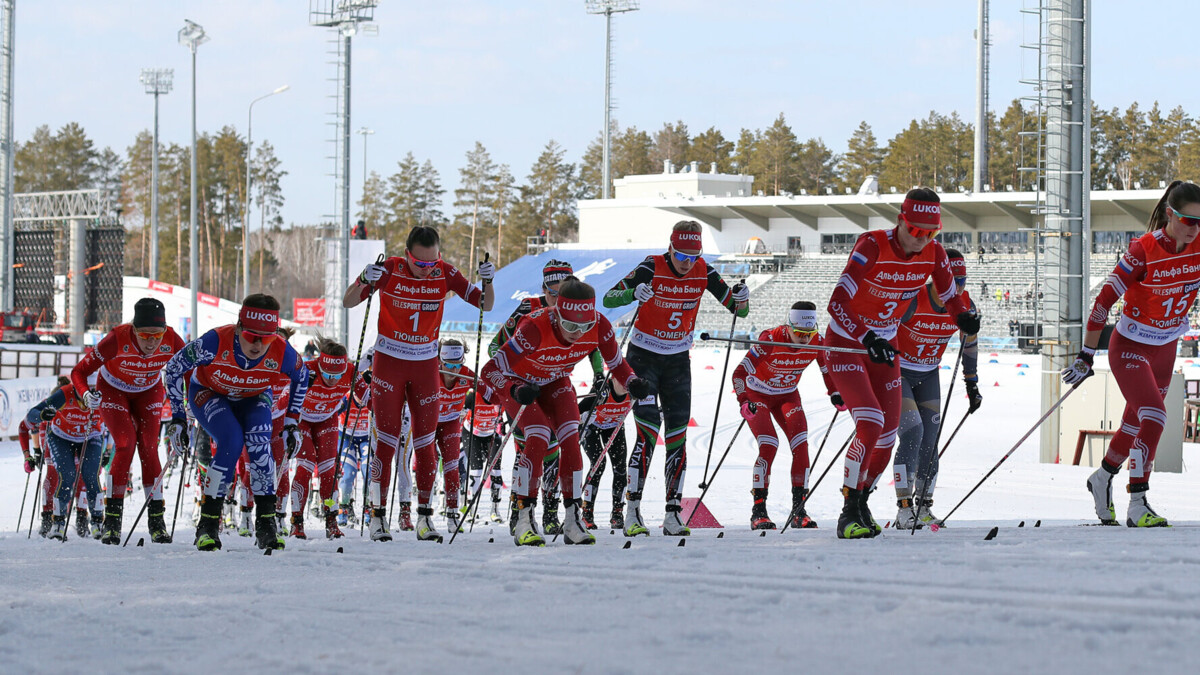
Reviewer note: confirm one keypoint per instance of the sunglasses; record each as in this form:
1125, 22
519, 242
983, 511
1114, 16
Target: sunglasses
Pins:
804, 332
551, 292
1190, 221
569, 326
424, 263
150, 334
258, 338
332, 376
920, 232
683, 257
451, 365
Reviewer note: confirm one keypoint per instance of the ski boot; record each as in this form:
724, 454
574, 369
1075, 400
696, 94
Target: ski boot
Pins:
851, 524
114, 507
1140, 514
495, 516
425, 529
634, 526
97, 525
1099, 484
550, 522
512, 514
379, 526
404, 517
588, 517
524, 532
799, 517
156, 521
298, 526
344, 514
574, 530
673, 525
759, 520
905, 516
208, 534
455, 518
47, 521
58, 529
280, 521
332, 531
616, 519
81, 524
267, 535
865, 513
246, 524
924, 516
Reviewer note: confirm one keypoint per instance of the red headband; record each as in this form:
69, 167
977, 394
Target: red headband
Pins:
925, 215
579, 311
685, 242
255, 320
958, 267
333, 365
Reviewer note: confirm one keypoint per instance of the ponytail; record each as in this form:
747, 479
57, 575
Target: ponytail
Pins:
1177, 195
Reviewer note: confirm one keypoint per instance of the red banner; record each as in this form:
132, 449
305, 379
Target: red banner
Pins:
309, 311
208, 299
161, 287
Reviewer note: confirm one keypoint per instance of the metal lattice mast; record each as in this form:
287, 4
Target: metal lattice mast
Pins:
345, 17
608, 8
157, 82
982, 43
7, 150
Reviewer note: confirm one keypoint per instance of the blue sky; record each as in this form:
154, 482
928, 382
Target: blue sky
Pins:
514, 74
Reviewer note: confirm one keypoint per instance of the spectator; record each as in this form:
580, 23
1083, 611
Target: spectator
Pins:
982, 284
1006, 296
1013, 327
359, 231
981, 256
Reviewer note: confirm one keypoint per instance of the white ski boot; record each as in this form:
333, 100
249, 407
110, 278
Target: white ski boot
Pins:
246, 523
1099, 484
1140, 514
425, 529
58, 529
924, 516
574, 531
634, 525
524, 533
673, 525
905, 516
379, 526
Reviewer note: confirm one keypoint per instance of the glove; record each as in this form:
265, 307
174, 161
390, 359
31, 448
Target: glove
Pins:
36, 456
486, 271
587, 403
597, 381
30, 465
638, 388
973, 395
525, 393
968, 322
748, 410
177, 436
643, 292
91, 400
48, 413
366, 376
878, 349
1080, 370
291, 439
741, 293
836, 399
370, 274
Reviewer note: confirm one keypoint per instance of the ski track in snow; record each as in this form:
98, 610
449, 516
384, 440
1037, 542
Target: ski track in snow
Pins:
1057, 598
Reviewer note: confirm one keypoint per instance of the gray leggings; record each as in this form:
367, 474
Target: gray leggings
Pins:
920, 418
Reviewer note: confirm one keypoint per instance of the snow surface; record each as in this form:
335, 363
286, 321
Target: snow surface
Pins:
1059, 598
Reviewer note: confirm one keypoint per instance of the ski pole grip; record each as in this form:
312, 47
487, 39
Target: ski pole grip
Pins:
704, 336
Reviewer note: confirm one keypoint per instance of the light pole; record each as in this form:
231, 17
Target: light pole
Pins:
192, 36
157, 81
364, 132
608, 8
246, 223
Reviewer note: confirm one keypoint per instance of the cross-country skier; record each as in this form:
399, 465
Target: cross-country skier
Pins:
886, 270
130, 359
481, 436
356, 440
329, 382
75, 439
1157, 277
669, 287
412, 290
765, 383
229, 393
456, 382
531, 374
606, 427
925, 330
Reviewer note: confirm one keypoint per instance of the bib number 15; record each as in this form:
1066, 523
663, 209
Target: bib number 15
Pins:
1171, 307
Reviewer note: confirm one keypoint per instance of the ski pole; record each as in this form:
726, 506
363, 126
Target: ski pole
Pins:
183, 472
720, 393
602, 392
357, 357
474, 505
473, 514
171, 454
806, 346
24, 495
714, 473
938, 438
479, 330
36, 491
814, 487
367, 474
597, 465
1008, 454
954, 433
828, 429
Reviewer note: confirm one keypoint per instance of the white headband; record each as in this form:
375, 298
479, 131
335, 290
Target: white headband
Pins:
804, 319
452, 352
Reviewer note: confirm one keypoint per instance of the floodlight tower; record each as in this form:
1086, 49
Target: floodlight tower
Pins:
982, 43
608, 8
192, 35
7, 10
345, 17
158, 81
